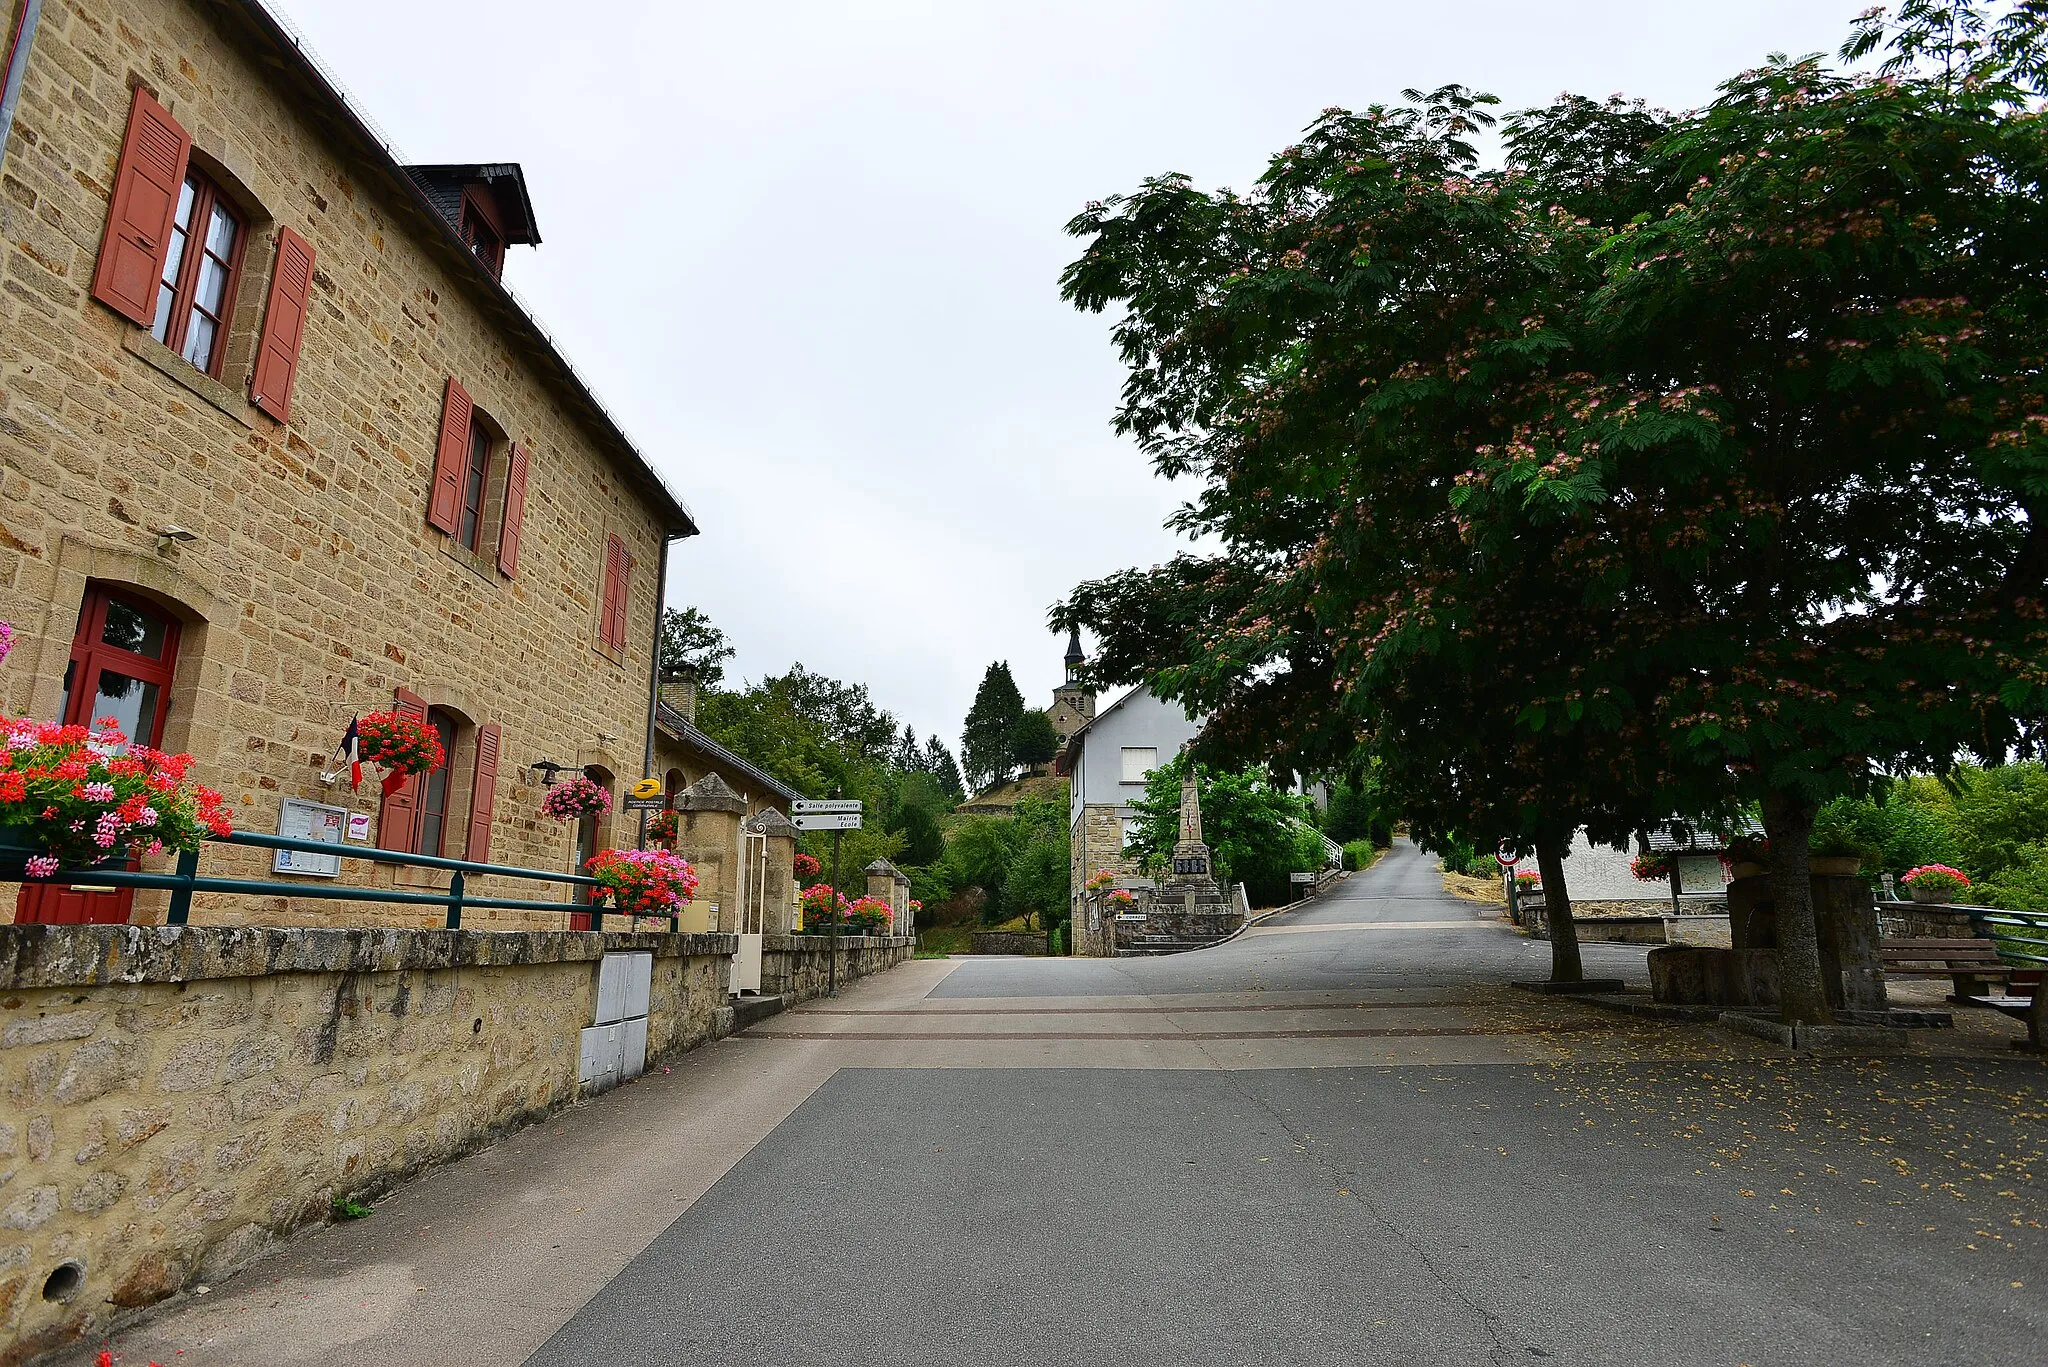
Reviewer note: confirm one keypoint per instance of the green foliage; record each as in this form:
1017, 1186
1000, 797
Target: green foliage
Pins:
1037, 881
689, 638
923, 841
1257, 834
1681, 463
931, 884
2022, 885
348, 1208
1360, 854
1019, 861
1997, 813
1034, 741
1359, 810
988, 740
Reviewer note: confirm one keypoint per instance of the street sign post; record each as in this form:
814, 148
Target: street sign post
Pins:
811, 806
827, 821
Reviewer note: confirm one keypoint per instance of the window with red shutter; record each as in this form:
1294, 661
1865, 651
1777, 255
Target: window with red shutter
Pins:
284, 323
398, 816
483, 794
618, 574
147, 184
515, 512
451, 459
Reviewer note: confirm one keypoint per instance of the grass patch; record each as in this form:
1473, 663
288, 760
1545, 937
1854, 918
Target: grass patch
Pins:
937, 942
348, 1208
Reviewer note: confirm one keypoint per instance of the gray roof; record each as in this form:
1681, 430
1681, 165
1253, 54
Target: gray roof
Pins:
1680, 838
672, 722
324, 104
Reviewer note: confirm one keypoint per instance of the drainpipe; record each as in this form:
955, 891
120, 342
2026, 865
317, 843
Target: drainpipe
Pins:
15, 67
654, 676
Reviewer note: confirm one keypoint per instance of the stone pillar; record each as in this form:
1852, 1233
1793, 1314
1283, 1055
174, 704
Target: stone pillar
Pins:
708, 816
778, 899
1850, 963
1193, 867
887, 882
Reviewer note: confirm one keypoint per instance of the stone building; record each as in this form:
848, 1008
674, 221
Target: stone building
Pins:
1106, 761
732, 822
278, 448
1073, 706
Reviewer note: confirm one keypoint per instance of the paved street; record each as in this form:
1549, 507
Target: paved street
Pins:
1340, 1138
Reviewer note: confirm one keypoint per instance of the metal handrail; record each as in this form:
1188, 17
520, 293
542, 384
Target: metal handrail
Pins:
187, 880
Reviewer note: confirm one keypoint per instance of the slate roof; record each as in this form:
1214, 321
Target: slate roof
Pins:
330, 110
1679, 838
671, 721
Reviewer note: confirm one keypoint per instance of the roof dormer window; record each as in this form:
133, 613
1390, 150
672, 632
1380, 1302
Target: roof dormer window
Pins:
485, 203
481, 235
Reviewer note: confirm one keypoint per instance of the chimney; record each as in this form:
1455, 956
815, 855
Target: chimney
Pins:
679, 691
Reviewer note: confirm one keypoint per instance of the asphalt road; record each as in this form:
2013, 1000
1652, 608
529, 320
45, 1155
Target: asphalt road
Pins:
1583, 1200
1339, 1139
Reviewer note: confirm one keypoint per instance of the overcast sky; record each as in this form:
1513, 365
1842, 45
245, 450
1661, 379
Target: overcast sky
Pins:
808, 253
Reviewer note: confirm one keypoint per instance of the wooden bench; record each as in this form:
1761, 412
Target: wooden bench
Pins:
1970, 964
2023, 945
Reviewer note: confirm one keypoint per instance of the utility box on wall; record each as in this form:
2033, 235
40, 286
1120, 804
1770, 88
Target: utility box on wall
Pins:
614, 1047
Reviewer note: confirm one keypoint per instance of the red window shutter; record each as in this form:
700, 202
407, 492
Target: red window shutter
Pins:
608, 618
143, 208
483, 794
451, 458
624, 597
398, 817
515, 512
284, 322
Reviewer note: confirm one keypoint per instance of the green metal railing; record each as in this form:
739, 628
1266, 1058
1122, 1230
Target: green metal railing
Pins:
187, 880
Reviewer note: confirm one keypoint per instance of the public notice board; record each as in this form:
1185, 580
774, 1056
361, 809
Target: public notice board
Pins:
298, 819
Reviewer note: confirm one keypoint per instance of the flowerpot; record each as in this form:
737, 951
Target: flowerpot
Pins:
1931, 896
1837, 865
1745, 869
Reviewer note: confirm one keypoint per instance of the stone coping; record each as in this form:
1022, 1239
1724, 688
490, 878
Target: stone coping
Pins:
80, 956
788, 944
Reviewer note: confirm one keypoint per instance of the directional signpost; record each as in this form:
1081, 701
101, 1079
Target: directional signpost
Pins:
837, 815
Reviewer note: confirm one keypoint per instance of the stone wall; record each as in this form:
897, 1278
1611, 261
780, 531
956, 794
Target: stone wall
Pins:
796, 967
1096, 842
314, 586
1007, 942
179, 1097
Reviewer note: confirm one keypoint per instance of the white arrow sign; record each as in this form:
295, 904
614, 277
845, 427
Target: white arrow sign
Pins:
827, 821
815, 806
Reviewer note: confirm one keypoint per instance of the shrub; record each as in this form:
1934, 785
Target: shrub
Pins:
2021, 885
1360, 854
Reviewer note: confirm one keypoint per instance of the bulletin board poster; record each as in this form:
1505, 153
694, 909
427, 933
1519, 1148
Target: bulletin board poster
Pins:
302, 820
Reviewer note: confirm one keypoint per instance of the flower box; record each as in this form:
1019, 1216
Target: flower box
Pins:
79, 797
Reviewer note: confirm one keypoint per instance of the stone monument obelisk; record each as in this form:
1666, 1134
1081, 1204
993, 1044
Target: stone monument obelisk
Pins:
1193, 868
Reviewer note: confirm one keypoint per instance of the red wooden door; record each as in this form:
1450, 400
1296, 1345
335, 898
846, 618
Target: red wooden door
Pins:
121, 665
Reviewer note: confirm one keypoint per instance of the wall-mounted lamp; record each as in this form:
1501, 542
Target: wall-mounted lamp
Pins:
549, 771
171, 534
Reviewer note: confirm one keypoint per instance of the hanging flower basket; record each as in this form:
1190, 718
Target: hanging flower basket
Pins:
580, 797
75, 796
806, 866
1099, 880
661, 828
400, 743
1650, 868
1122, 897
644, 882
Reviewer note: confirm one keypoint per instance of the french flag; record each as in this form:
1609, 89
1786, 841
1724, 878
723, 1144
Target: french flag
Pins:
351, 749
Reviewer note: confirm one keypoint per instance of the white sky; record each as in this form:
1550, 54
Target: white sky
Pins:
808, 253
